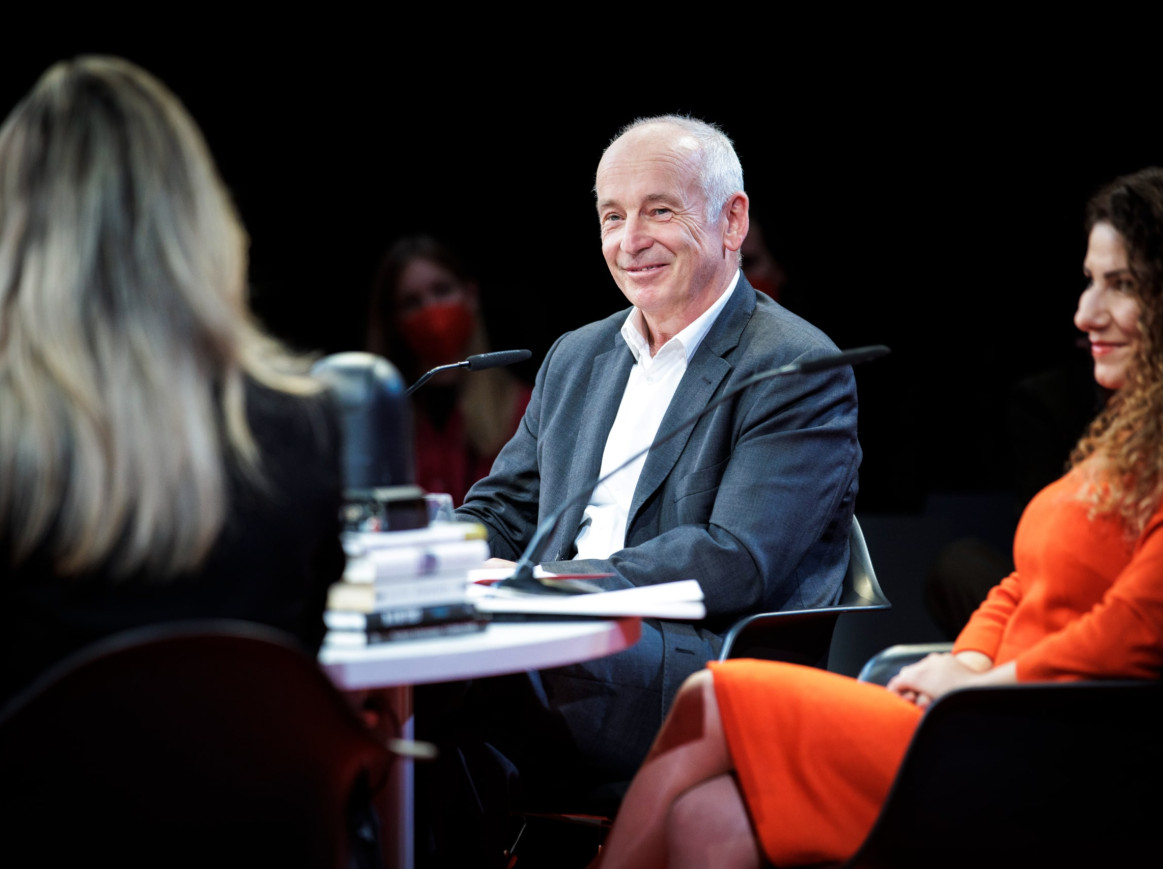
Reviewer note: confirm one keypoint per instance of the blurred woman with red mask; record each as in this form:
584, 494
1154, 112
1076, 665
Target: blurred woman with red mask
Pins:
424, 313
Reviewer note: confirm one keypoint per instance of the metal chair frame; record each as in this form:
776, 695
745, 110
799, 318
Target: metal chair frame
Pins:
805, 636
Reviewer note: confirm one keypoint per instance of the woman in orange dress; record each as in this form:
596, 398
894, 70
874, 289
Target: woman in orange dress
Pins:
760, 760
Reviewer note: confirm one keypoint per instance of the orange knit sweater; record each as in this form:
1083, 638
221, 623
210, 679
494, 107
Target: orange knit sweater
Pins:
1084, 602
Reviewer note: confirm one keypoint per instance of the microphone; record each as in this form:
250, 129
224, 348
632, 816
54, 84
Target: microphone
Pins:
821, 363
379, 480
523, 579
495, 359
477, 362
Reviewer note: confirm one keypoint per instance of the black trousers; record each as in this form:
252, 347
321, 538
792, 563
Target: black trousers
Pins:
566, 739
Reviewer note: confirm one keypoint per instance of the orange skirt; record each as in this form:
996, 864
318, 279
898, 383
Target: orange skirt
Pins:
815, 752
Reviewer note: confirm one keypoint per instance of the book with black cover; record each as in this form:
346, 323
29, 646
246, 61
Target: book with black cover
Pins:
358, 638
399, 617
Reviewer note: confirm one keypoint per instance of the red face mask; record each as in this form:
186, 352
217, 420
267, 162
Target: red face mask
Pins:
438, 334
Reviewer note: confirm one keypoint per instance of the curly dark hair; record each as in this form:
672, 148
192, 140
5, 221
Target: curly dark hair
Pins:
1127, 437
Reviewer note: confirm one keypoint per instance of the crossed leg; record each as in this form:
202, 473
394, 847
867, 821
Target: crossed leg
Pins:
684, 807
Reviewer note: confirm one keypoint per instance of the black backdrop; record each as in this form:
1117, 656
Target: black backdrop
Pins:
928, 198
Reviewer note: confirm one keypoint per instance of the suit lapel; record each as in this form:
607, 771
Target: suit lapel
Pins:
608, 377
704, 373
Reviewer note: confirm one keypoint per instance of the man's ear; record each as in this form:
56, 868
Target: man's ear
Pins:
738, 222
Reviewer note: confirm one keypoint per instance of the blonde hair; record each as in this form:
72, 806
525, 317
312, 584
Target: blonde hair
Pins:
125, 338
1124, 445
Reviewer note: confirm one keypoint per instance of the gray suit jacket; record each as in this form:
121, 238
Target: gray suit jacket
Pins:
755, 500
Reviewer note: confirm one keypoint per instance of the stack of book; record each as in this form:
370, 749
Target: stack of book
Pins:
405, 584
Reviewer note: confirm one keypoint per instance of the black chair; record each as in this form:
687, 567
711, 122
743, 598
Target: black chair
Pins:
214, 743
805, 636
1047, 774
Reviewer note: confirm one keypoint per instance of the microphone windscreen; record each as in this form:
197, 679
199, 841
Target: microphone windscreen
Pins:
844, 357
496, 359
376, 419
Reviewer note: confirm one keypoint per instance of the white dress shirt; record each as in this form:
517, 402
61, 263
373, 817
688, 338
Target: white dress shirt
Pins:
649, 390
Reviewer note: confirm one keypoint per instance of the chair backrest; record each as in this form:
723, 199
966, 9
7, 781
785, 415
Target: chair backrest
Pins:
1051, 774
804, 636
204, 743
861, 589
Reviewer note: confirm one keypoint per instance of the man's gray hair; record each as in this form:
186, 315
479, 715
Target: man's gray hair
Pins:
720, 172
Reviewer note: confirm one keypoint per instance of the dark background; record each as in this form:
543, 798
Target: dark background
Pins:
924, 194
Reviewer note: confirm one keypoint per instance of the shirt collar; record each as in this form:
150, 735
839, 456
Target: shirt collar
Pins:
688, 339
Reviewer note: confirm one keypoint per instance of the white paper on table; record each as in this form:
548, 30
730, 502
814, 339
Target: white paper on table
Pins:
495, 574
667, 600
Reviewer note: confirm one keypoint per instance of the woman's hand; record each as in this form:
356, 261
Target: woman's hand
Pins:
934, 675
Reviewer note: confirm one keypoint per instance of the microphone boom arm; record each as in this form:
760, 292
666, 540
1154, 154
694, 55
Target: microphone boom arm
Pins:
476, 362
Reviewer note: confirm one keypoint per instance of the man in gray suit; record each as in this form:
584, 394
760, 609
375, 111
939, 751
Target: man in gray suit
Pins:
754, 501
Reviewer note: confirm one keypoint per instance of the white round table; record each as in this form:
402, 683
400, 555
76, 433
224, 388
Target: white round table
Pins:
502, 647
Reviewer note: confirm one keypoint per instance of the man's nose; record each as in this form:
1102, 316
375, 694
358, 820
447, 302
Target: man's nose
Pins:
635, 237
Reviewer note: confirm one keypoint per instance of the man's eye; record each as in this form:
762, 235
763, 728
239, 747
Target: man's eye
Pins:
661, 212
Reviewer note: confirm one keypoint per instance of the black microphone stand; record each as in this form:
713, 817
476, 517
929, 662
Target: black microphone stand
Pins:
475, 362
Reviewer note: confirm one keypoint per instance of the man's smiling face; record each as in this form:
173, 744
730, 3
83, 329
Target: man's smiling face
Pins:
668, 259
